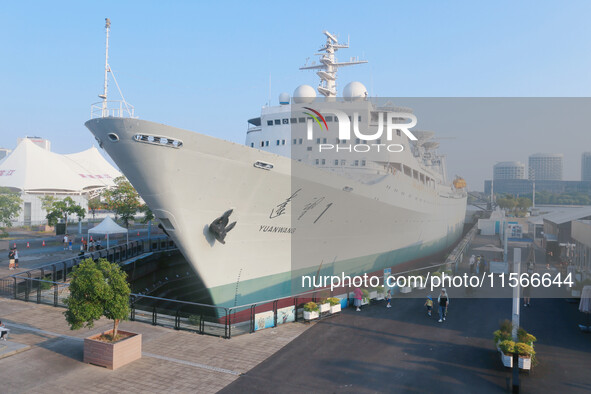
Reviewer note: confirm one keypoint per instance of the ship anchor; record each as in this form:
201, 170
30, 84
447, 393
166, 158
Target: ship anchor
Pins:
220, 228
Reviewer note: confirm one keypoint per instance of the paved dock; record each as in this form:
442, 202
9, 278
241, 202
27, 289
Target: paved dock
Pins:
399, 349
172, 361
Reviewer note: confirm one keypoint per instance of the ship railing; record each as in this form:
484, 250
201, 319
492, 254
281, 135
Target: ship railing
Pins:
112, 109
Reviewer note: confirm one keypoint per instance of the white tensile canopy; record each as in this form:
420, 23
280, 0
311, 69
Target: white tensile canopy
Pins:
107, 227
34, 169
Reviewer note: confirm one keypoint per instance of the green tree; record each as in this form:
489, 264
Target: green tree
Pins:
10, 206
60, 209
123, 200
523, 203
94, 204
97, 289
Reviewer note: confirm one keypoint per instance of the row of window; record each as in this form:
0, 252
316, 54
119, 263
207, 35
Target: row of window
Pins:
266, 143
278, 122
343, 162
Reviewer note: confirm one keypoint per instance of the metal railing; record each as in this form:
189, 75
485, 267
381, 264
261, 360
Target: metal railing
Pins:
113, 108
49, 286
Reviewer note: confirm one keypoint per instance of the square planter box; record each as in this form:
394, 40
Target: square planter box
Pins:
373, 295
112, 355
324, 307
405, 290
335, 308
310, 315
507, 360
364, 301
525, 363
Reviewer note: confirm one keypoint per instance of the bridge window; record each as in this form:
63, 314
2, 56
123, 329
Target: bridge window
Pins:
343, 162
285, 121
323, 161
262, 143
363, 163
301, 141
277, 121
295, 141
356, 163
317, 161
328, 118
309, 148
336, 162
269, 123
278, 142
302, 120
266, 143
252, 144
294, 120
324, 140
282, 142
317, 140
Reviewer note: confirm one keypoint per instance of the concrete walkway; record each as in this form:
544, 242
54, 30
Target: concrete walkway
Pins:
173, 361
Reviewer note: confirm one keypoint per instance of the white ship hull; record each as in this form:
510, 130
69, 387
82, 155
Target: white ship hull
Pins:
265, 254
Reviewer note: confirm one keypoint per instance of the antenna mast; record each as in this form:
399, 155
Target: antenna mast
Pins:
104, 95
329, 66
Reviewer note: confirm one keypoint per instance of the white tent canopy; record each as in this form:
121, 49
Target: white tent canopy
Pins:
32, 168
107, 227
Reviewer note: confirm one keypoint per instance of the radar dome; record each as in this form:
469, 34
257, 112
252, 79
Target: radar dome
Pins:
284, 98
304, 94
354, 91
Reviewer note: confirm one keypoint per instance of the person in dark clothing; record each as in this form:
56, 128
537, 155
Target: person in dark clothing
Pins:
443, 301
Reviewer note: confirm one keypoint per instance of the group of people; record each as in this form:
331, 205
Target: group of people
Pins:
442, 303
67, 241
13, 258
478, 264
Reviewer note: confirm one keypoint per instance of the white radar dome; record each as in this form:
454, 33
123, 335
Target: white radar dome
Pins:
284, 98
354, 91
304, 94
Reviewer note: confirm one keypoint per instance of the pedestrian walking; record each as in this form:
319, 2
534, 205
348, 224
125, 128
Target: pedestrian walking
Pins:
472, 262
15, 258
443, 301
11, 259
65, 241
70, 244
358, 297
3, 331
429, 305
388, 299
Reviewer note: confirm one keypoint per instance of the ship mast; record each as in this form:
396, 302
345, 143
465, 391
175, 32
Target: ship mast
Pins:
104, 95
327, 70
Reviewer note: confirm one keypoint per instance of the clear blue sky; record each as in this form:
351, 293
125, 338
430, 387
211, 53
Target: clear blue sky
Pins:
205, 66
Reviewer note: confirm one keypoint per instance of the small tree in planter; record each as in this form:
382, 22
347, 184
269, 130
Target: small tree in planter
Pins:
526, 354
100, 289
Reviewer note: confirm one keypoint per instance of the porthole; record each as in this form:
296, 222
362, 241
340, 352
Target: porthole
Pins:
113, 137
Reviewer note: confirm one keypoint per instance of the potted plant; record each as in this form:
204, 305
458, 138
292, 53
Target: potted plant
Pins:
381, 292
421, 282
365, 299
500, 336
407, 288
100, 289
526, 353
311, 311
324, 306
507, 348
335, 304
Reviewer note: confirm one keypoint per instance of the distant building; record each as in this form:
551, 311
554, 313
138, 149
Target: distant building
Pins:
4, 152
524, 186
545, 167
509, 170
586, 166
40, 142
